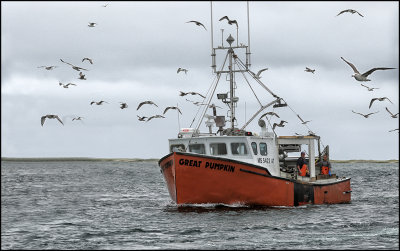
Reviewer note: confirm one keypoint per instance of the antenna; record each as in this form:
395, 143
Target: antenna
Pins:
248, 38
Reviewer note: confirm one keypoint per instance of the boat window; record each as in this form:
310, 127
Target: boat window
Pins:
254, 146
239, 148
263, 149
177, 148
197, 148
218, 149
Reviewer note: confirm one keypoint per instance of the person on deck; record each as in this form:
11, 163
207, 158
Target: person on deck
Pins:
302, 167
325, 165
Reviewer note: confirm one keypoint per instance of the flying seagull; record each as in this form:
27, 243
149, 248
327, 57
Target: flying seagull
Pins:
365, 115
391, 114
48, 67
197, 23
394, 130
146, 102
229, 21
50, 117
257, 76
181, 69
82, 76
191, 93
155, 116
65, 86
92, 24
309, 70
98, 103
141, 118
77, 118
379, 99
172, 107
281, 124
363, 77
369, 88
105, 5
351, 11
123, 105
74, 67
88, 59
269, 113
302, 121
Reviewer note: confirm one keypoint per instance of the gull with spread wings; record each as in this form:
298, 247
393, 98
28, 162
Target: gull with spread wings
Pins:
48, 67
146, 102
269, 113
77, 68
379, 99
154, 117
98, 103
65, 86
191, 93
363, 77
350, 11
257, 76
309, 70
50, 116
197, 23
281, 124
229, 21
172, 107
302, 121
369, 88
365, 115
181, 69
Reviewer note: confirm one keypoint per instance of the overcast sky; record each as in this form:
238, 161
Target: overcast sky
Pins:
137, 48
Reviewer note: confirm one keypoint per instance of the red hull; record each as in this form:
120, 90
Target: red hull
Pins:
198, 179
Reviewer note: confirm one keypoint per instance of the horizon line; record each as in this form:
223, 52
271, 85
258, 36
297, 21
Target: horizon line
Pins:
155, 159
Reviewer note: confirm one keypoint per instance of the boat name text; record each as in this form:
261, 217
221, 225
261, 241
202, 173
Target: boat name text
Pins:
211, 165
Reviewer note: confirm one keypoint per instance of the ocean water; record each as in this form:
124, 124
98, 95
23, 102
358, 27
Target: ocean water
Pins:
126, 205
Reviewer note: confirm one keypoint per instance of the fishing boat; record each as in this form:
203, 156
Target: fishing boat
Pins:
228, 164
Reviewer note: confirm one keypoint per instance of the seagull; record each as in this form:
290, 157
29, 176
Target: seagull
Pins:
351, 11
379, 99
214, 106
82, 76
191, 93
50, 117
172, 107
365, 115
105, 5
229, 21
302, 121
391, 114
141, 118
394, 130
281, 124
363, 77
92, 24
123, 105
74, 67
146, 102
310, 133
77, 118
181, 69
309, 70
98, 103
48, 67
269, 113
369, 88
197, 23
88, 59
196, 103
257, 76
155, 116
66, 86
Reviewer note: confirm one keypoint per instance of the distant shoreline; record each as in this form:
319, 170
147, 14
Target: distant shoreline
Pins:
156, 160
77, 159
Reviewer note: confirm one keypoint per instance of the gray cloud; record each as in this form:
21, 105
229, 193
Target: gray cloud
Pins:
137, 47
